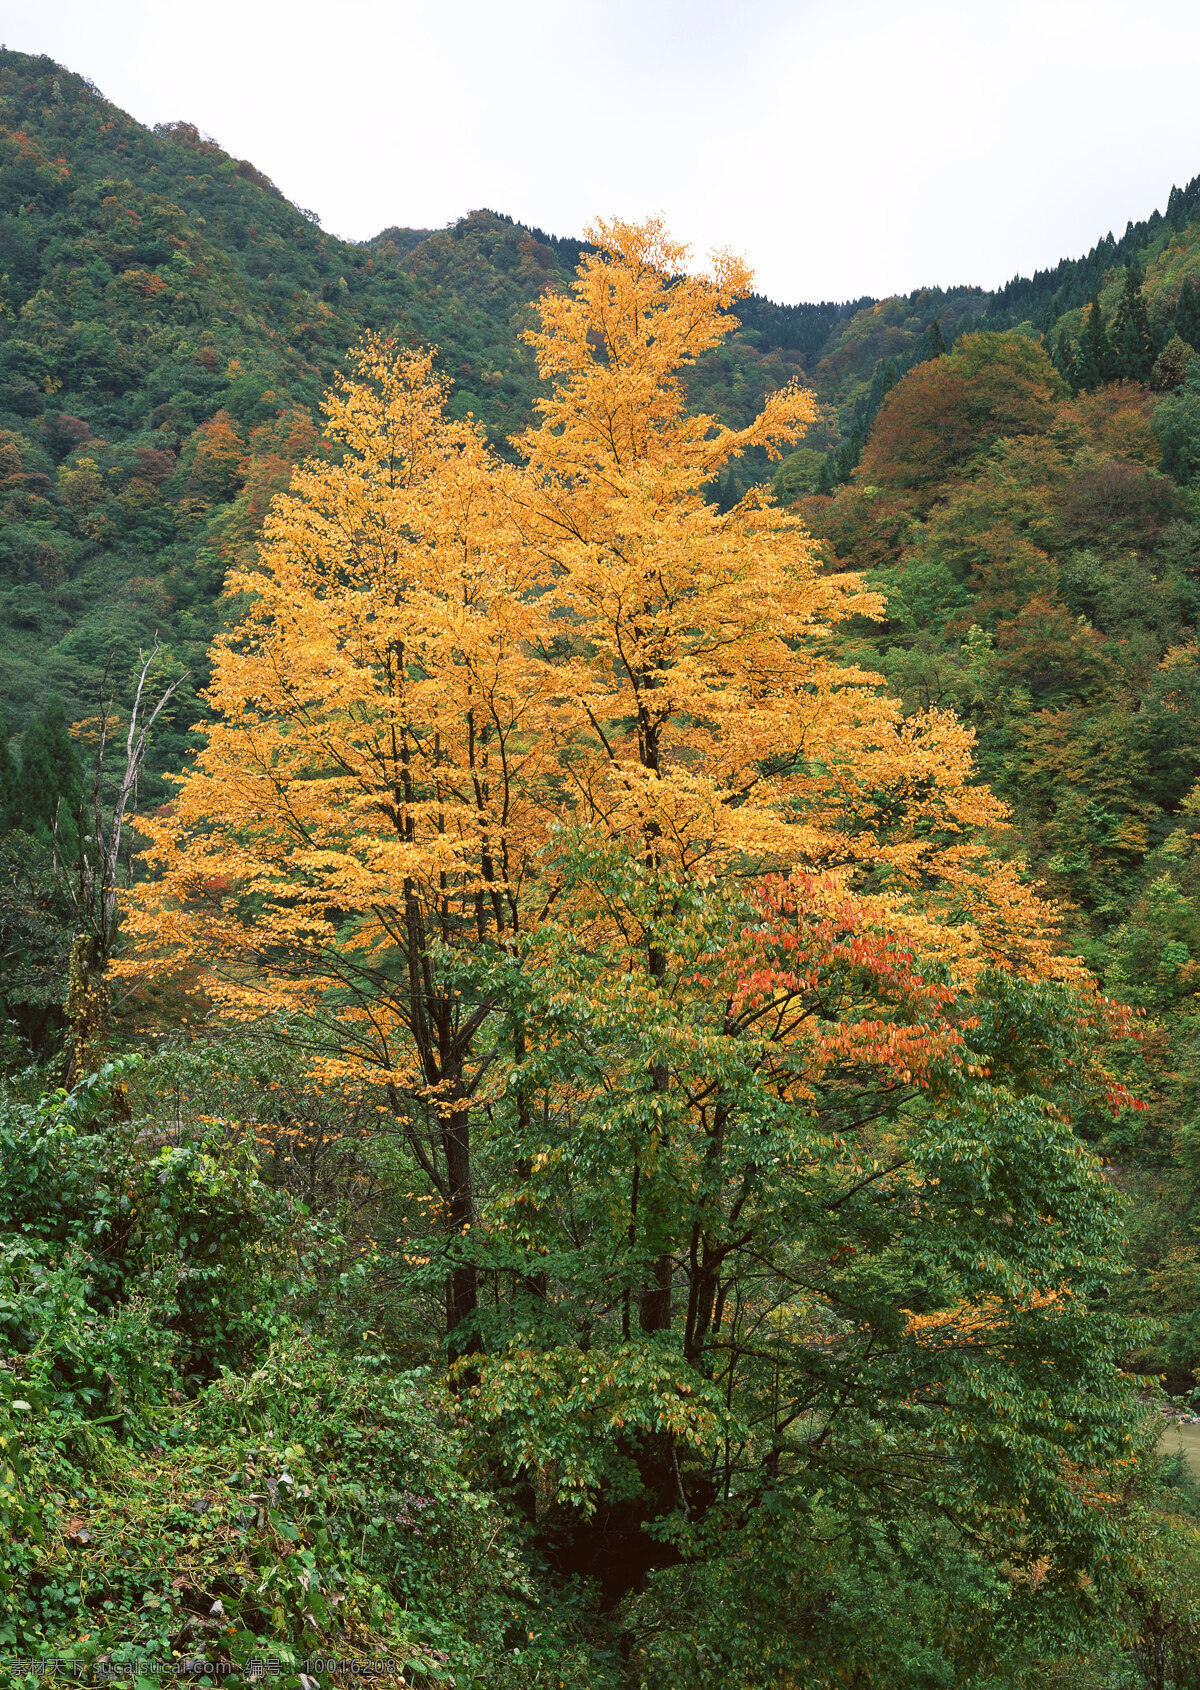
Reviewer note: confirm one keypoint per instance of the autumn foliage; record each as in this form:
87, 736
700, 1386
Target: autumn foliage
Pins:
950, 411
445, 658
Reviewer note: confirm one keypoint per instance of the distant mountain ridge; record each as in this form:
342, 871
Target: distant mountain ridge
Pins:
1073, 281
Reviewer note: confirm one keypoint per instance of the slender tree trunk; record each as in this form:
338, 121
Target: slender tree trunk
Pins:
702, 1299
534, 1285
704, 1275
98, 869
462, 1281
462, 1285
87, 1007
654, 1312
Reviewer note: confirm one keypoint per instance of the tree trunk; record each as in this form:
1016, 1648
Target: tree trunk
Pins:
462, 1285
654, 1312
86, 1006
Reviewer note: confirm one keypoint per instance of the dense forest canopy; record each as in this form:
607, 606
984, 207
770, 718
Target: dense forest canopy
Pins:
599, 950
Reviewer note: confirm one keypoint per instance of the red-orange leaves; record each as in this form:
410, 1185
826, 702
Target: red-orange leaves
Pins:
823, 965
859, 991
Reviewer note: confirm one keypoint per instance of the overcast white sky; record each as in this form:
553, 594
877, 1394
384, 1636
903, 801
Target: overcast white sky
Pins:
845, 146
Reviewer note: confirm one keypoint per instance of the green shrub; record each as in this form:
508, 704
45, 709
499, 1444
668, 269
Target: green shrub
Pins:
187, 1224
315, 1507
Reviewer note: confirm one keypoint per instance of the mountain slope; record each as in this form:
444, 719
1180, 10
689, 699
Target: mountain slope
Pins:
168, 322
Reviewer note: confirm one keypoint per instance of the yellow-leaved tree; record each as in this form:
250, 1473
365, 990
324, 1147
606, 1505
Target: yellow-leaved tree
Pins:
706, 716
448, 664
372, 785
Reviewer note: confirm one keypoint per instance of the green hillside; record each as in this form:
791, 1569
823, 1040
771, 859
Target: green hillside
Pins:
168, 324
170, 321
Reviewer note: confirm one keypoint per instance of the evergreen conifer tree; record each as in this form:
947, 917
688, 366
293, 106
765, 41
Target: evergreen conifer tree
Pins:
934, 343
1063, 357
882, 382
1132, 342
50, 785
9, 803
848, 454
1094, 356
1187, 313
826, 478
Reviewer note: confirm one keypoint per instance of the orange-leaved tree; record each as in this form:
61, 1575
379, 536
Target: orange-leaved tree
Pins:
448, 666
371, 788
705, 713
702, 705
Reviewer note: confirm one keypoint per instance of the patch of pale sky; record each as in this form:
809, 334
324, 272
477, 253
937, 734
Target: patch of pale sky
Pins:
845, 146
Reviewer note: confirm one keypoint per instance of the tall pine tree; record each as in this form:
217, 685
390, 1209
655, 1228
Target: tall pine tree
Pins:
846, 459
882, 382
10, 810
1094, 358
933, 345
1132, 341
50, 785
1063, 357
1187, 313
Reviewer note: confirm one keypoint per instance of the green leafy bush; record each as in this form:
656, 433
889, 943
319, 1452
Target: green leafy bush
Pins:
314, 1507
187, 1224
